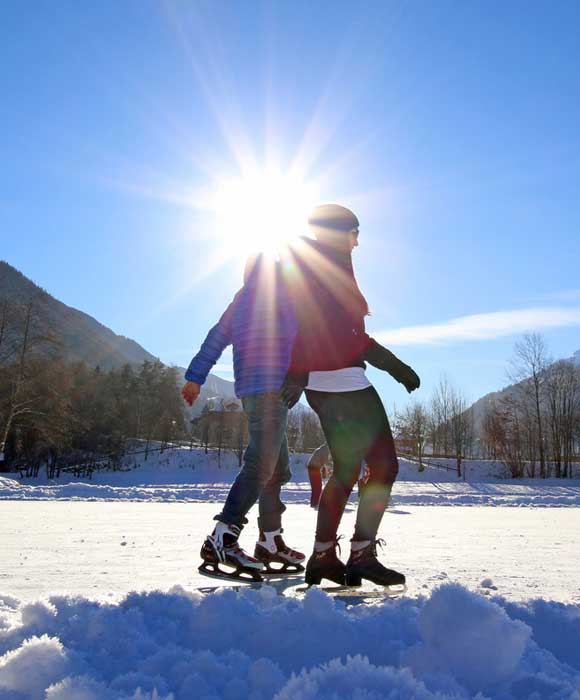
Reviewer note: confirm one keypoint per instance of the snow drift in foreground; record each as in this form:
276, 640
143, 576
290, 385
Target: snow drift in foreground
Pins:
254, 644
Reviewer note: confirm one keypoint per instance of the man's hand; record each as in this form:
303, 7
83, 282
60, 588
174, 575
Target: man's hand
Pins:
190, 392
292, 388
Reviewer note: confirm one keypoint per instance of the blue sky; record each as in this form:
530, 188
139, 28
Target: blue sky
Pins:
451, 128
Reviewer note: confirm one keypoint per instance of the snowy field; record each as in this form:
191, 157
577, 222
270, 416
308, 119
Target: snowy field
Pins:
99, 599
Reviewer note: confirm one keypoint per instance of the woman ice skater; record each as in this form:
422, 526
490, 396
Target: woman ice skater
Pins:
329, 354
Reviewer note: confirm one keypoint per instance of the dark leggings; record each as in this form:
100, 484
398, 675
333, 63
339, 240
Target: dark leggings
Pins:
356, 427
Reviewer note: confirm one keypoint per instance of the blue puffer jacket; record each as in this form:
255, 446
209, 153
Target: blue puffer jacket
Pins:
261, 325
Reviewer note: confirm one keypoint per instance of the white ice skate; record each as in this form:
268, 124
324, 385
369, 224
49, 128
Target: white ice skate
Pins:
276, 556
224, 558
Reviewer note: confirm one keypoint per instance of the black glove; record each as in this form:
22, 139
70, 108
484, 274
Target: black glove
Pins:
380, 357
292, 388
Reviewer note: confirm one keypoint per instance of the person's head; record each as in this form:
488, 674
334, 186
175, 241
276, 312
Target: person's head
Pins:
260, 269
335, 225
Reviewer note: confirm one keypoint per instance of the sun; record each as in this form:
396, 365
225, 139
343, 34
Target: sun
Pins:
261, 211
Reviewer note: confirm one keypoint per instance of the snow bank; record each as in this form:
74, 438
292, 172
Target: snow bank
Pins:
531, 493
181, 475
257, 645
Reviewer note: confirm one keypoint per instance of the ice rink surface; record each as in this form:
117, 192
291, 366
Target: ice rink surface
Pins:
103, 550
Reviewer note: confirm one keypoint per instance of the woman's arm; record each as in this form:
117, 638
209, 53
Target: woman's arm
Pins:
384, 359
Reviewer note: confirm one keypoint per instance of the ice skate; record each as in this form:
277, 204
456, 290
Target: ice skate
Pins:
325, 565
276, 556
224, 558
363, 564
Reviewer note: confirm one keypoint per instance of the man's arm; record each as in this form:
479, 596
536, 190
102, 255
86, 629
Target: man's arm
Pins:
384, 359
219, 337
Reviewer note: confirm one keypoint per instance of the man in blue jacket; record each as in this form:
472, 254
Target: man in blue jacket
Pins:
261, 325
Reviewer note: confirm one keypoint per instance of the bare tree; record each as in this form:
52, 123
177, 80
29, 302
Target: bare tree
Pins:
493, 433
412, 423
529, 367
441, 409
461, 426
510, 440
563, 411
27, 339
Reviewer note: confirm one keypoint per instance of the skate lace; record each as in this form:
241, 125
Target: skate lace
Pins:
336, 543
380, 542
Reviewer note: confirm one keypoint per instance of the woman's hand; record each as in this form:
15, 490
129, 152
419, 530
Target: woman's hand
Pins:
380, 357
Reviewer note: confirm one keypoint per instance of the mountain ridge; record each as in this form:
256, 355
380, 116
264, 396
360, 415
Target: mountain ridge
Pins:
83, 338
480, 407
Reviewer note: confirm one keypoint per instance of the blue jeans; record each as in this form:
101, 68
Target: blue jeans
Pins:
266, 465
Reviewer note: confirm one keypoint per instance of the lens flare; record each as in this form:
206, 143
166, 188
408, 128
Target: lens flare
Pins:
262, 211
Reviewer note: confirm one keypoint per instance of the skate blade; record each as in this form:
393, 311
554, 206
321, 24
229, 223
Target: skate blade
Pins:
285, 569
212, 570
356, 592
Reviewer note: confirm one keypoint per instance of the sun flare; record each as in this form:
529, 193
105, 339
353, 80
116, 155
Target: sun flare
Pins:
261, 212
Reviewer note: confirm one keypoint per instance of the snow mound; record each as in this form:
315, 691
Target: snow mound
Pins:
357, 679
254, 644
470, 636
34, 666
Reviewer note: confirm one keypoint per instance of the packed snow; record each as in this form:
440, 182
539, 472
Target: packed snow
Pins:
100, 599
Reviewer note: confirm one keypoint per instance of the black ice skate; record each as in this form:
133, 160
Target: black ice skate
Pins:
326, 565
224, 558
276, 556
363, 564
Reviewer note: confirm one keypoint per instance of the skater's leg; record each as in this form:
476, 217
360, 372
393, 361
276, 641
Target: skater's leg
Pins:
348, 439
383, 467
267, 429
267, 417
271, 548
270, 504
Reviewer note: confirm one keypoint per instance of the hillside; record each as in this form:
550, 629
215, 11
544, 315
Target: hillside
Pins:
481, 407
83, 338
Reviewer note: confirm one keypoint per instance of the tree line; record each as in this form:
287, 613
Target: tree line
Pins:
443, 426
62, 414
533, 427
53, 411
